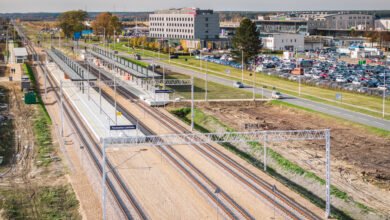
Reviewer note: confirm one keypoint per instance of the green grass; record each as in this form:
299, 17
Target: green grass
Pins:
137, 62
206, 123
373, 130
215, 90
371, 105
41, 125
57, 202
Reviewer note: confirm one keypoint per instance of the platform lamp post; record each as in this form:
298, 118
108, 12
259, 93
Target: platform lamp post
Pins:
62, 108
116, 111
104, 180
59, 39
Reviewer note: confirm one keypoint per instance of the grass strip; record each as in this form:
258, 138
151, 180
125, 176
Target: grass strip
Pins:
54, 202
42, 125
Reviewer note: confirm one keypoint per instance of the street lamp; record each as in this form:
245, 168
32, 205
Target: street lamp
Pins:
242, 65
384, 95
206, 83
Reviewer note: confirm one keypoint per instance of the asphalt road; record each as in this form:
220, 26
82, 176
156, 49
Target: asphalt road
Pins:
316, 106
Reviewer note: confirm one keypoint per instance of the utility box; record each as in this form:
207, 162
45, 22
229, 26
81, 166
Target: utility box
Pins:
30, 98
25, 83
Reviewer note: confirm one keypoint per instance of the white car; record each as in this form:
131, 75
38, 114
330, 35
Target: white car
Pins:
341, 79
276, 95
238, 85
355, 82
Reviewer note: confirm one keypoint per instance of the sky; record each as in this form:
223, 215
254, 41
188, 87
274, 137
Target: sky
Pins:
9, 6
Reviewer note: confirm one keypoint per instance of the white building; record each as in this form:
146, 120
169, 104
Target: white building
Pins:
184, 23
349, 21
284, 41
20, 54
382, 24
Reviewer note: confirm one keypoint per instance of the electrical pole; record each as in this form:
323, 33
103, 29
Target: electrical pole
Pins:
206, 83
384, 95
254, 85
242, 66
116, 112
192, 102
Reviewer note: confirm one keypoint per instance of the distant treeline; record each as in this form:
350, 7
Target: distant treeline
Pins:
224, 15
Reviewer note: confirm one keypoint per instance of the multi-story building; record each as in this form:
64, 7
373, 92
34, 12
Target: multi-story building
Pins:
283, 41
347, 22
184, 23
382, 24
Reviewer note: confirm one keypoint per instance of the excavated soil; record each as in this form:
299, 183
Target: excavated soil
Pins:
360, 159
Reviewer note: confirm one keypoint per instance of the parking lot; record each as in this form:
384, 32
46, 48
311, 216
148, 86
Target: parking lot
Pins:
325, 69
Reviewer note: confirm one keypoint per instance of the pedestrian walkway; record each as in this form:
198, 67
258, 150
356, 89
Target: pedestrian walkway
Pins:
97, 113
11, 52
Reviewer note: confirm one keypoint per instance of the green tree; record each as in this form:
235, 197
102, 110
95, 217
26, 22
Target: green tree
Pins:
247, 40
72, 21
107, 23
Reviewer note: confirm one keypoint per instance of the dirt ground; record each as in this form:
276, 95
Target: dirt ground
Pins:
360, 159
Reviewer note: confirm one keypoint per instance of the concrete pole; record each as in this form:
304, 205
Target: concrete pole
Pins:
192, 102
116, 111
104, 180
384, 96
265, 151
169, 51
100, 92
163, 75
299, 90
206, 84
242, 66
254, 86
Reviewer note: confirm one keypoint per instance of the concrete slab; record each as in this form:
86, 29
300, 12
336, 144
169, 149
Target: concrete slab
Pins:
87, 105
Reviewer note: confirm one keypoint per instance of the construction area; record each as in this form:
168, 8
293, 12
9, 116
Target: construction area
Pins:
122, 141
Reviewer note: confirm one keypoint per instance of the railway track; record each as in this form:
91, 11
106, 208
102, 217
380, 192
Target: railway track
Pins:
287, 206
87, 139
207, 187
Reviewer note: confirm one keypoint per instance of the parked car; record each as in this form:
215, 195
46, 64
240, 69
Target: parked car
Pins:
174, 56
297, 71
